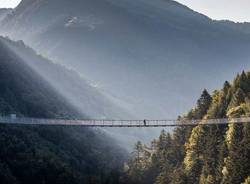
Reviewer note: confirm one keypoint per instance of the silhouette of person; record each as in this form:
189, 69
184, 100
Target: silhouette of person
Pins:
144, 122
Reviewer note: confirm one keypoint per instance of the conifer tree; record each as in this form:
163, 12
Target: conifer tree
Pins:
247, 181
238, 143
203, 104
237, 99
243, 82
206, 154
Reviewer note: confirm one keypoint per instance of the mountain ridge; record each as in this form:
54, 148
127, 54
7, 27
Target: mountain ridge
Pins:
66, 82
150, 47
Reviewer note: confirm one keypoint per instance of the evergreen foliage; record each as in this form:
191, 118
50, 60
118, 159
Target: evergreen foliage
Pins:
206, 154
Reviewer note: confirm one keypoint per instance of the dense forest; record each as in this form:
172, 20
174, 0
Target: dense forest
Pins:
48, 155
205, 154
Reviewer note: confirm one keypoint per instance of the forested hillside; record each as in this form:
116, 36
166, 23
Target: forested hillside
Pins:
204, 153
48, 155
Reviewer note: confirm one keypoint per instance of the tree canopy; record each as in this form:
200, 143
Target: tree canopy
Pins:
204, 154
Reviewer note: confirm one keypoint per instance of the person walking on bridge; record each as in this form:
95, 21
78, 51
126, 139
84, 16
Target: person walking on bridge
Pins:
144, 122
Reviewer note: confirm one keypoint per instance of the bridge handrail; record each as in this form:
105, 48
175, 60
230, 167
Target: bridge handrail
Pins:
120, 123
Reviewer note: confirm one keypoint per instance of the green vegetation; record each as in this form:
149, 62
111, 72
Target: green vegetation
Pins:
205, 154
57, 155
48, 155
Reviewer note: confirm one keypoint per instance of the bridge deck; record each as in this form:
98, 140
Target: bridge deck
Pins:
120, 123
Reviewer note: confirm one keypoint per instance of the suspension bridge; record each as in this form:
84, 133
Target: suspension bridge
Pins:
119, 123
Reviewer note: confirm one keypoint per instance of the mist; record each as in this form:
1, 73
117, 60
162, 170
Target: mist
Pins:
140, 59
151, 64
89, 102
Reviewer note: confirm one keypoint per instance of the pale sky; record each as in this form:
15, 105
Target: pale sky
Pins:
236, 10
9, 3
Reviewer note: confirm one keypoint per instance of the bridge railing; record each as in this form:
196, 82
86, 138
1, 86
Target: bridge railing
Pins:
119, 123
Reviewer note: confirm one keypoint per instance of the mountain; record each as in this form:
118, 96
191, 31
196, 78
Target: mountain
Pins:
23, 91
43, 154
201, 153
71, 86
83, 96
136, 52
4, 12
244, 27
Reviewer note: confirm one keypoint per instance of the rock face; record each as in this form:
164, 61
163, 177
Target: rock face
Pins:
151, 57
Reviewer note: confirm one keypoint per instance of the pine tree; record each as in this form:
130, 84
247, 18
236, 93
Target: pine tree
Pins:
247, 180
206, 154
226, 87
203, 104
243, 82
237, 99
193, 161
237, 167
135, 164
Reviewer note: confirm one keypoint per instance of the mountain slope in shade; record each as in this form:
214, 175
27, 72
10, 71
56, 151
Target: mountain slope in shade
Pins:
136, 51
4, 12
244, 27
43, 154
68, 83
71, 87
25, 92
87, 99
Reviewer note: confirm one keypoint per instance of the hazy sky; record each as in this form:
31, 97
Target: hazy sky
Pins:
236, 10
9, 3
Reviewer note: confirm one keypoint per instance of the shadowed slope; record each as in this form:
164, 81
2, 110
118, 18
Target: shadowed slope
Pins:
48, 155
